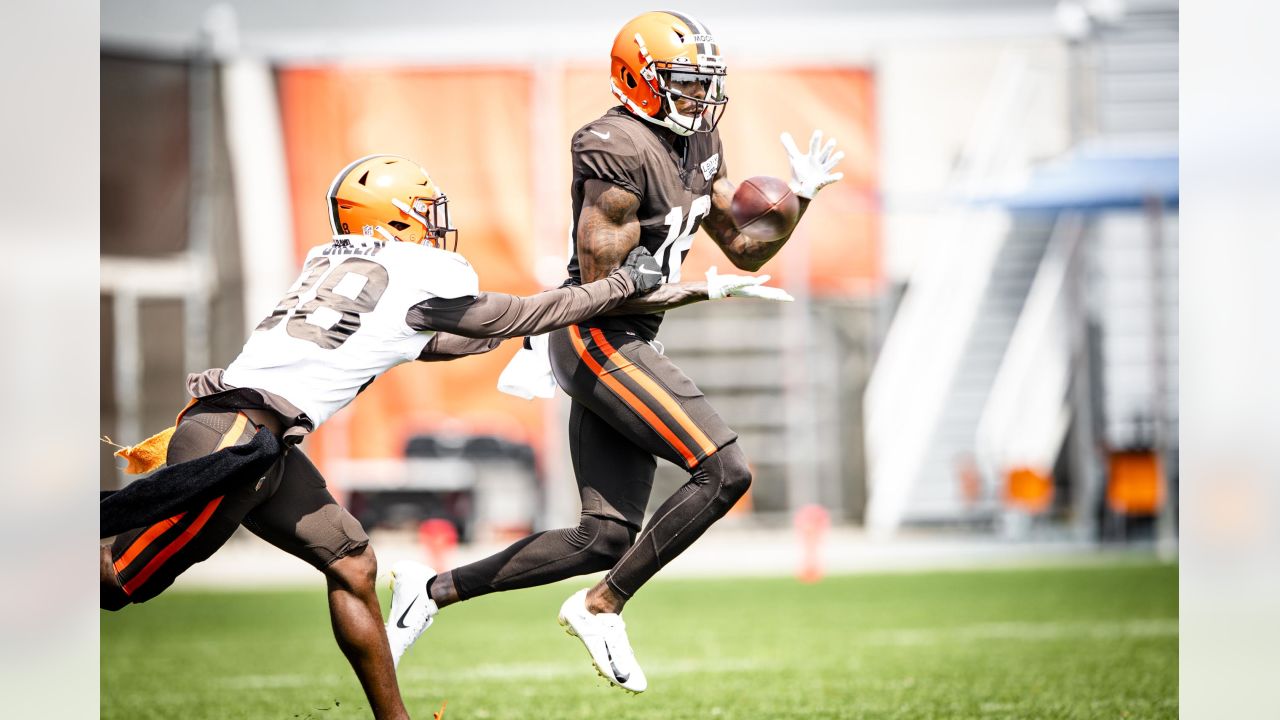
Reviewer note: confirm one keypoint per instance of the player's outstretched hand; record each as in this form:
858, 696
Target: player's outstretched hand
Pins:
811, 172
723, 286
764, 292
644, 269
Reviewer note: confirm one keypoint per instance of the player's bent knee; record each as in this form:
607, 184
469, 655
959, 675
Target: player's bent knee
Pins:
358, 569
735, 473
366, 564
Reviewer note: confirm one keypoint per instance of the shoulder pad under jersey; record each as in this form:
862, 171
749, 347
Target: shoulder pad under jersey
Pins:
604, 150
449, 275
438, 272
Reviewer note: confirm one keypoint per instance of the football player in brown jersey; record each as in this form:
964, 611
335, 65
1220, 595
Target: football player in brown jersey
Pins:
649, 173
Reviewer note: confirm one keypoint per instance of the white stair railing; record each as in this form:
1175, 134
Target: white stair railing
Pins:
923, 346
1027, 413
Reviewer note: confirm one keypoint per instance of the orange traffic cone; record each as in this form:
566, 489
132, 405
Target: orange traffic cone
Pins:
438, 538
811, 523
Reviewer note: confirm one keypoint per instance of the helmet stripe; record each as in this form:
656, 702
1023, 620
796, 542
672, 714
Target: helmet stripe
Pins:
697, 28
333, 190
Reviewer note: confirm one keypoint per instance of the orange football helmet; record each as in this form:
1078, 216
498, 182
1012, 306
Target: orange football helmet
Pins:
390, 197
659, 48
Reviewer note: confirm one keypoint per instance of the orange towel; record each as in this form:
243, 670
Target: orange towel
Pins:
148, 454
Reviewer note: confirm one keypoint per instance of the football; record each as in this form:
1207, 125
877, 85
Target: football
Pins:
764, 208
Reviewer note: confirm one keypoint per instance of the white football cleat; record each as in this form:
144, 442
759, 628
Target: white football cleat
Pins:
605, 636
411, 608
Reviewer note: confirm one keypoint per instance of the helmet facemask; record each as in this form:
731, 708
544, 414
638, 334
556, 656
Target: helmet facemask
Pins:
433, 214
701, 84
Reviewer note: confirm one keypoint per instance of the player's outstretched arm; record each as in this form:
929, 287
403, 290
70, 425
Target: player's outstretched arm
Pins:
446, 346
498, 315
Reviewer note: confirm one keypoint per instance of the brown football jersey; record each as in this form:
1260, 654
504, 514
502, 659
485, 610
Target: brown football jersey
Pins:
673, 184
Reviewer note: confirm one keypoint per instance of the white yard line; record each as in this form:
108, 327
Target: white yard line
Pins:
1026, 631
417, 677
420, 677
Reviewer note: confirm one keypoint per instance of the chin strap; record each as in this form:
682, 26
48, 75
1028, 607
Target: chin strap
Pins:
666, 123
635, 110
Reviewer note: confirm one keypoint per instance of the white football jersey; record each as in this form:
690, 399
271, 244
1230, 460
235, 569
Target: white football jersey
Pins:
342, 323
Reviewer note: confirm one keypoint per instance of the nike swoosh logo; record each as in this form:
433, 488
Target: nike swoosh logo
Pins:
602, 136
403, 615
614, 666
646, 271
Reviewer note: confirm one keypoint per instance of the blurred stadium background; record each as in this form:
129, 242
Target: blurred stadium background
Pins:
981, 367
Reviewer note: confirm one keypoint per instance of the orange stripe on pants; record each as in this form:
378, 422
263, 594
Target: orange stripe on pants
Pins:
177, 544
658, 393
630, 399
145, 539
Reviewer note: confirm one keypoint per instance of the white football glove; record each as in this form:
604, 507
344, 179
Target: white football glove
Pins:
764, 292
810, 173
723, 286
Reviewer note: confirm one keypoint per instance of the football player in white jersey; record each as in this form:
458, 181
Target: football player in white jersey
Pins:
386, 290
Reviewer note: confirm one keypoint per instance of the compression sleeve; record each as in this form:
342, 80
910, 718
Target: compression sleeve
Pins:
446, 346
498, 315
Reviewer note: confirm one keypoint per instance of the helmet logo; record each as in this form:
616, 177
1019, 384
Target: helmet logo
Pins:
368, 230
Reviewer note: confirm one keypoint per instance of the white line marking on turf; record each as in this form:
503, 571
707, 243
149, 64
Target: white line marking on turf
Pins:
275, 682
547, 671
491, 671
1031, 631
1021, 631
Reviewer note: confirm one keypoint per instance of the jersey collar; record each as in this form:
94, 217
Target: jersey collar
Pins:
357, 240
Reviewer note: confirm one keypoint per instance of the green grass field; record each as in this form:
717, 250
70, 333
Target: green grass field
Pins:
1097, 642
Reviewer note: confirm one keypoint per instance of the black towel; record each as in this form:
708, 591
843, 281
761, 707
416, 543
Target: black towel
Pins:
177, 488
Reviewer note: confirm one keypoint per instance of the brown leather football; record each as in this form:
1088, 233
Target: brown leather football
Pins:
765, 208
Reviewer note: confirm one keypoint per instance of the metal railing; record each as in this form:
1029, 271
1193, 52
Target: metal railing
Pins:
924, 344
1028, 412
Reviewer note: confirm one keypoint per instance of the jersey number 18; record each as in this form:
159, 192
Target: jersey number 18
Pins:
348, 308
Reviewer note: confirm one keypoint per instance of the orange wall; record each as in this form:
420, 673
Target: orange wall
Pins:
473, 131
468, 128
